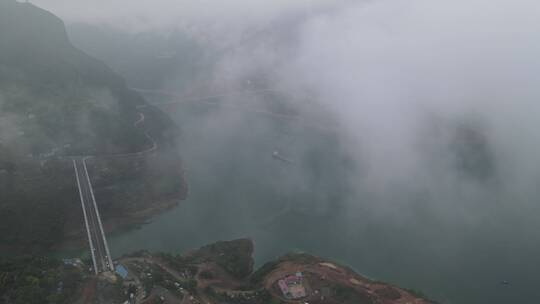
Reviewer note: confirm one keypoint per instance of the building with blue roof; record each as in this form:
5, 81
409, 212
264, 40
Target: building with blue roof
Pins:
121, 271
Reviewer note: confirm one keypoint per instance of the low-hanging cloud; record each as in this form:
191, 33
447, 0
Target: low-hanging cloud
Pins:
436, 103
386, 67
401, 76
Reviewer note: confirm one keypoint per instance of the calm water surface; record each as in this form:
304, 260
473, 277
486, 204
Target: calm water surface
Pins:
318, 204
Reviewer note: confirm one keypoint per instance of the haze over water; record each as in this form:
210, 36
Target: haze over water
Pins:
429, 175
238, 190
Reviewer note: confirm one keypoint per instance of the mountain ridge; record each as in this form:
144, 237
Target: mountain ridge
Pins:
56, 102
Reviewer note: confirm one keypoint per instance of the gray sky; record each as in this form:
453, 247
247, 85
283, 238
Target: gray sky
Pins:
159, 14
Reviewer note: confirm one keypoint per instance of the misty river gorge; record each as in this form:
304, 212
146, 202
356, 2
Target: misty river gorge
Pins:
398, 138
318, 204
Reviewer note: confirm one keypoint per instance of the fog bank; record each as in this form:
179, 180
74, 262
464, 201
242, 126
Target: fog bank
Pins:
434, 103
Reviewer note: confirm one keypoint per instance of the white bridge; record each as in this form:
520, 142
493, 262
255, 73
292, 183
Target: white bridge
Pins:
99, 250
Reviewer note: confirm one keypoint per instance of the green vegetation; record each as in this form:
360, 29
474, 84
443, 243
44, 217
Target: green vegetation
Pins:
181, 263
38, 280
190, 285
234, 256
236, 265
35, 207
258, 276
57, 101
55, 97
206, 275
347, 295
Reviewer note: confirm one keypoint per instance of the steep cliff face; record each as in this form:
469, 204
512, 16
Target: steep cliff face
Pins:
53, 96
35, 47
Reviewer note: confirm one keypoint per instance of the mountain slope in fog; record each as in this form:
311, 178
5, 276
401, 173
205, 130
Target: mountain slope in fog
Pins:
57, 102
54, 97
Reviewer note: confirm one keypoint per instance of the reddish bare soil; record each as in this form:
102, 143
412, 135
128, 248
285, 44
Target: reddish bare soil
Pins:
325, 276
89, 292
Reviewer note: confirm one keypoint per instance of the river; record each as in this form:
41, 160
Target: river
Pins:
319, 204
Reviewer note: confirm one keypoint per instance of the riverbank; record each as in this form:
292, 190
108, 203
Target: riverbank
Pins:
223, 272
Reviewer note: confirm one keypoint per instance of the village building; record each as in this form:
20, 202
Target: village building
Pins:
292, 286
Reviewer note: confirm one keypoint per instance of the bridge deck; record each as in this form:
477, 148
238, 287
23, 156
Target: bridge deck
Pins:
99, 249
